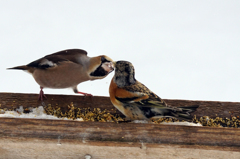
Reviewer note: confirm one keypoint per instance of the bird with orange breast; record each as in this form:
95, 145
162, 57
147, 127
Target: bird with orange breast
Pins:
66, 69
136, 101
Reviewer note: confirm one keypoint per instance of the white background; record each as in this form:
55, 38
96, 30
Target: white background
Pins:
180, 49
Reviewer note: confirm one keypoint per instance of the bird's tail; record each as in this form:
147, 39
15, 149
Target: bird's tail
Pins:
24, 67
183, 113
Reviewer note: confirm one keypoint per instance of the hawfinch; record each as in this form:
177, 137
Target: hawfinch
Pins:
136, 101
66, 69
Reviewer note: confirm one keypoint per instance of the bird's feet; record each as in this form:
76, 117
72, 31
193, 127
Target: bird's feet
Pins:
41, 95
85, 94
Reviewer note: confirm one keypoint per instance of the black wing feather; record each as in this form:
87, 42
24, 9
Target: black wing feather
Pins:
56, 58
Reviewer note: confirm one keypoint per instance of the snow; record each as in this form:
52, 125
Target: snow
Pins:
36, 113
185, 123
39, 113
140, 121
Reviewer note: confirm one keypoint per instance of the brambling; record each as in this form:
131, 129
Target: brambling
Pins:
136, 101
66, 69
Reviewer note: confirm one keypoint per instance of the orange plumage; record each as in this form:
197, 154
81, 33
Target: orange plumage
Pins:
136, 101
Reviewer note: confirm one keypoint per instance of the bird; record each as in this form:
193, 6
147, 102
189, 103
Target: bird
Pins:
66, 69
136, 101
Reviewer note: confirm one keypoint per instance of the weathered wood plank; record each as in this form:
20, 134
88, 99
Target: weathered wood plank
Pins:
207, 108
14, 100
23, 148
123, 132
64, 138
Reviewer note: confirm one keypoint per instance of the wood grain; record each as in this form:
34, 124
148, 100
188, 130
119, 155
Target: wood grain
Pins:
124, 132
206, 108
108, 138
23, 148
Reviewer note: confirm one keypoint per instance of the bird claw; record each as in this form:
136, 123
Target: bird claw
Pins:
41, 95
85, 94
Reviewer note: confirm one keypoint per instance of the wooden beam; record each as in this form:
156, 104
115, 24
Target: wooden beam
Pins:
61, 149
114, 132
64, 138
206, 108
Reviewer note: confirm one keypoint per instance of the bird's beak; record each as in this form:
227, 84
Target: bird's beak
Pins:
114, 63
108, 66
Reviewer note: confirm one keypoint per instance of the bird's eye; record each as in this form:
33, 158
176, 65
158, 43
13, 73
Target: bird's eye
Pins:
127, 68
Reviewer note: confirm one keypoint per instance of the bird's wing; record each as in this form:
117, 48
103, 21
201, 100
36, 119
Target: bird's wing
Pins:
139, 94
52, 60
